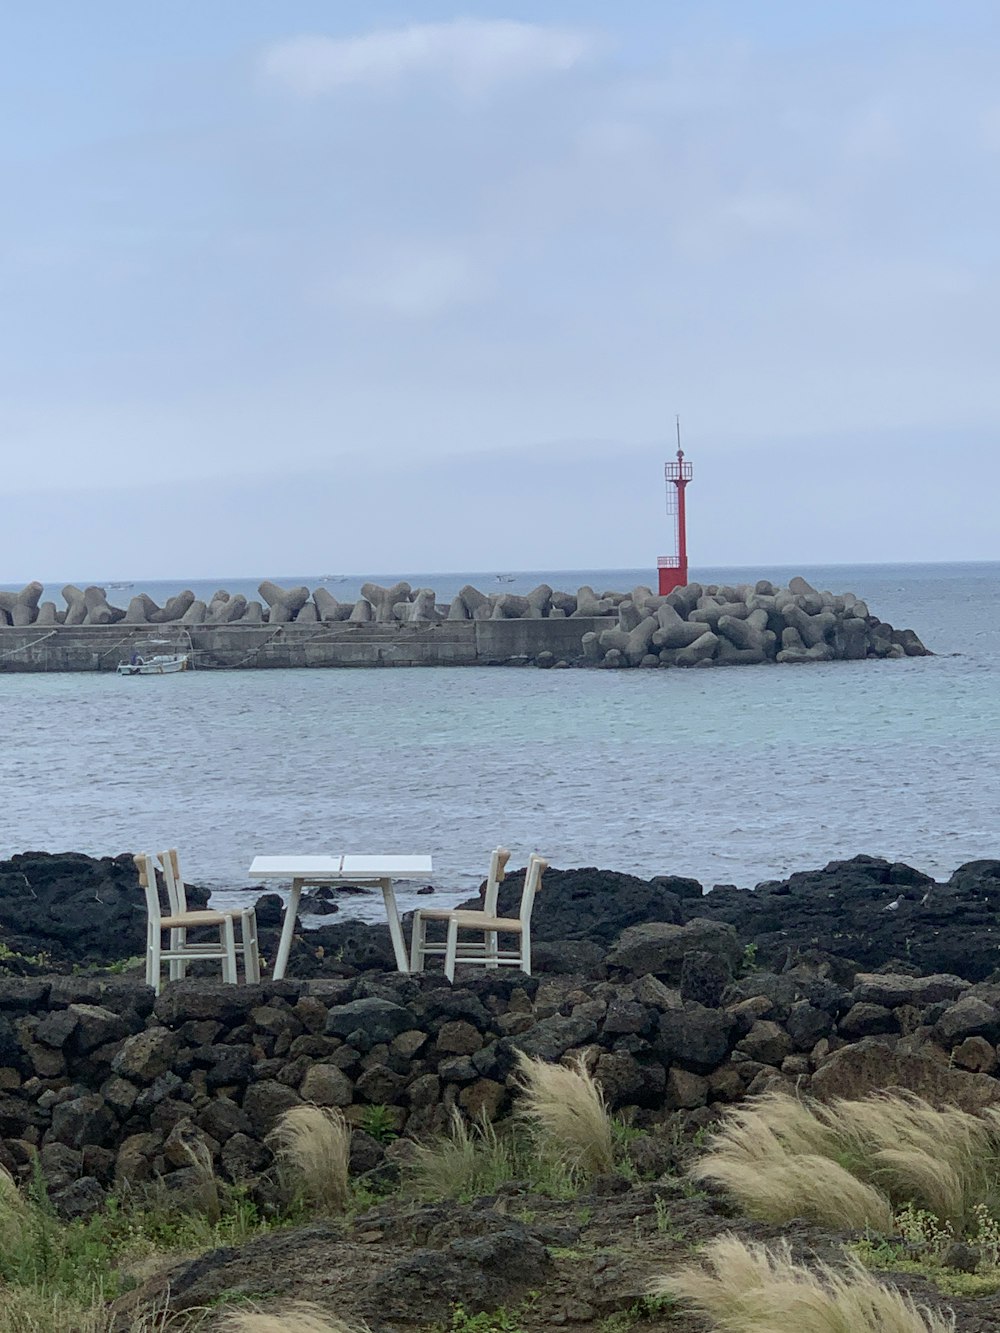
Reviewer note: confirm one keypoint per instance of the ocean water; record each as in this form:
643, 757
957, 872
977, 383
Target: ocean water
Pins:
732, 776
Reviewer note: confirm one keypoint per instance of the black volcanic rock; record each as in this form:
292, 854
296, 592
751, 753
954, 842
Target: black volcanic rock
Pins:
75, 908
870, 913
863, 915
590, 904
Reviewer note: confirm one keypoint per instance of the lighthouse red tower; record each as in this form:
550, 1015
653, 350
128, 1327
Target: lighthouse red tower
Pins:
673, 569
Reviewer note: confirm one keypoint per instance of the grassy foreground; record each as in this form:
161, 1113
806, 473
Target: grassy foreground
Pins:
909, 1182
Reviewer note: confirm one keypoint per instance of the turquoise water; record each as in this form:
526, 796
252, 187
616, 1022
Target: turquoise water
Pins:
729, 775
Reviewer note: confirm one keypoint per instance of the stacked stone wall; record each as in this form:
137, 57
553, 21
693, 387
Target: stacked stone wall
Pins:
108, 1086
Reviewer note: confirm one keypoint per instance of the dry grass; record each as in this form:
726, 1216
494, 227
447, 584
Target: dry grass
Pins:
852, 1163
301, 1317
461, 1164
14, 1211
566, 1110
943, 1160
777, 1157
23, 1310
746, 1288
314, 1145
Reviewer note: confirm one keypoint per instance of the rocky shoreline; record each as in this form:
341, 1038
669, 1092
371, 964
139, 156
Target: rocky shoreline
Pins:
680, 1000
833, 982
69, 910
697, 625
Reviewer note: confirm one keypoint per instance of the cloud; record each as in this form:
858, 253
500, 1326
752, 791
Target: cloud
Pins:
475, 55
411, 281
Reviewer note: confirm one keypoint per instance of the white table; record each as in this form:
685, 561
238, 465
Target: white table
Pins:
308, 871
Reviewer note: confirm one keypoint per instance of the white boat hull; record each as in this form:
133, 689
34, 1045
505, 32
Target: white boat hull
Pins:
154, 666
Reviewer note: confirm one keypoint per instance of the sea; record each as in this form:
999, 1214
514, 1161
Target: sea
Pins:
731, 776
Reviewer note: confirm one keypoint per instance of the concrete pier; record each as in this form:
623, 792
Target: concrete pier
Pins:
693, 626
340, 644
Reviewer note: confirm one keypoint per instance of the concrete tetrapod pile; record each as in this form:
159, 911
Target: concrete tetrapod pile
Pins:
745, 625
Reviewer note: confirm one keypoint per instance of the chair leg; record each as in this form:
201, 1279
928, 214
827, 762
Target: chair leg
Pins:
251, 952
526, 949
491, 947
153, 962
178, 966
417, 943
451, 948
229, 942
150, 970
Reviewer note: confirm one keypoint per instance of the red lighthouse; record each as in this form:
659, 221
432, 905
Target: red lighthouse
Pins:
673, 569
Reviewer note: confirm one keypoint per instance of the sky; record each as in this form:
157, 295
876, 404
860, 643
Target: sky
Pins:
292, 284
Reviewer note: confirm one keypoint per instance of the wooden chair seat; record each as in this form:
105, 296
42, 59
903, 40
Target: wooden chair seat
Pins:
472, 920
195, 918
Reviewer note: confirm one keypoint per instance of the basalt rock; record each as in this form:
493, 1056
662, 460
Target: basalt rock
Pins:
589, 904
868, 912
74, 908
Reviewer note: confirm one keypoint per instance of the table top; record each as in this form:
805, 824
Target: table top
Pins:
342, 867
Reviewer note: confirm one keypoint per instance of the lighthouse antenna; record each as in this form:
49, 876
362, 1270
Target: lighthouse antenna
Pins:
678, 420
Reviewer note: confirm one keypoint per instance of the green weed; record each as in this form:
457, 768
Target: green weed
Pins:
500, 1320
924, 1248
664, 1223
645, 1309
84, 1261
378, 1124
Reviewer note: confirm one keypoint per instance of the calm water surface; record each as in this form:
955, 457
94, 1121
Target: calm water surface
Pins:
728, 775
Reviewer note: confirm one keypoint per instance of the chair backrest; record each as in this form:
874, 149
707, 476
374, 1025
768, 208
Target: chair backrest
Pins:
147, 879
498, 872
176, 892
532, 884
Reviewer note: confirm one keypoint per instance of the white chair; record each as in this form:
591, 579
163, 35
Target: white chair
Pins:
157, 923
488, 953
177, 897
420, 949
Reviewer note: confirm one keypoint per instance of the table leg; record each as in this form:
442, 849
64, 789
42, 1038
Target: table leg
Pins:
287, 930
395, 928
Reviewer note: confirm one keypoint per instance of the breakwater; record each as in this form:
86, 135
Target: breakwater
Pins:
696, 625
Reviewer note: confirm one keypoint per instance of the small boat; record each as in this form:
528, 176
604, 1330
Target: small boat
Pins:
333, 578
121, 585
505, 578
163, 664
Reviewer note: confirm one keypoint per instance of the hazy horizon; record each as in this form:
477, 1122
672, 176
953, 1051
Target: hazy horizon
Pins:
699, 573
